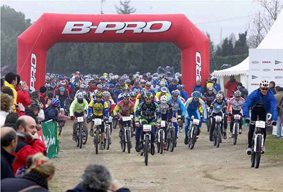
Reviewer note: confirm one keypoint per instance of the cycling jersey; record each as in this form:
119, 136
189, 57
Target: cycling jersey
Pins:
98, 108
208, 98
184, 94
268, 103
235, 105
178, 105
124, 109
216, 107
147, 111
78, 107
165, 111
111, 105
192, 106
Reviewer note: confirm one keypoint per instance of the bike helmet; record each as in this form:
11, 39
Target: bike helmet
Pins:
105, 87
219, 96
210, 88
142, 81
175, 80
99, 86
237, 93
196, 94
60, 77
164, 90
62, 89
106, 94
264, 84
133, 94
163, 99
126, 95
180, 86
148, 84
80, 95
162, 84
47, 78
82, 86
176, 93
55, 102
148, 95
98, 94
117, 85
126, 88
154, 82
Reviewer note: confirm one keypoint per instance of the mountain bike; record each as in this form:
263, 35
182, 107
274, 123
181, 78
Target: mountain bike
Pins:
161, 137
97, 133
258, 140
236, 126
170, 140
217, 133
147, 145
193, 132
126, 134
107, 140
79, 136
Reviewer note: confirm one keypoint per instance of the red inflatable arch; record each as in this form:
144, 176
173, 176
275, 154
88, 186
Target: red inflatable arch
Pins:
49, 29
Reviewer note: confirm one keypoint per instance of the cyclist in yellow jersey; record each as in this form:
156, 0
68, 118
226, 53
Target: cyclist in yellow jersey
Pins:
98, 109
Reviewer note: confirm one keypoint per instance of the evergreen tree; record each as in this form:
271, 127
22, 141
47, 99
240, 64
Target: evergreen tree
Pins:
241, 46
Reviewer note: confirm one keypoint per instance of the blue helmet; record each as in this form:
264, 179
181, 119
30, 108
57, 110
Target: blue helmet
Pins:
154, 82
180, 86
55, 102
60, 77
196, 94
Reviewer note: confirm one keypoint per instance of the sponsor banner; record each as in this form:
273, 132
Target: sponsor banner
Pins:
51, 140
265, 64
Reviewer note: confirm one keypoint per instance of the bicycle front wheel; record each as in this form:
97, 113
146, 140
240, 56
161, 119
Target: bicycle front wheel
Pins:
146, 149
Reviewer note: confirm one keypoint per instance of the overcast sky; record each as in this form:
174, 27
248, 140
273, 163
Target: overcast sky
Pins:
212, 16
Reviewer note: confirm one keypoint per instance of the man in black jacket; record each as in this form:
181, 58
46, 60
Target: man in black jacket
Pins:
8, 146
243, 90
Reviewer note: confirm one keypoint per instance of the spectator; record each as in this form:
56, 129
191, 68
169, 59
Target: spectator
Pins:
198, 87
272, 87
29, 144
33, 111
6, 107
216, 86
243, 90
43, 91
231, 86
279, 99
11, 120
8, 146
23, 94
39, 173
97, 178
8, 91
11, 82
49, 98
35, 96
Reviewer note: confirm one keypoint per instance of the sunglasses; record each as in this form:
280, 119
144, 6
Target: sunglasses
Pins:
98, 97
264, 89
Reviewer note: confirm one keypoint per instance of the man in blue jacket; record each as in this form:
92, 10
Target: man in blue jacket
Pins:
183, 93
262, 101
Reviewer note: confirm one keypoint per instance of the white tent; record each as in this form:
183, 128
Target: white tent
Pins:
273, 40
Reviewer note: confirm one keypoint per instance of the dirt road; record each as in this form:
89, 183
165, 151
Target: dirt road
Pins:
205, 168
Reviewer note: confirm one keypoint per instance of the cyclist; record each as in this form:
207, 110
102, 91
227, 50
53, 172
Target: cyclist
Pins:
235, 106
148, 112
117, 91
136, 86
78, 108
98, 109
195, 107
217, 107
62, 96
183, 93
262, 101
52, 111
111, 104
163, 91
178, 108
208, 97
124, 108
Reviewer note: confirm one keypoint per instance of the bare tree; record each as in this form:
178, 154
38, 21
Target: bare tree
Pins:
264, 19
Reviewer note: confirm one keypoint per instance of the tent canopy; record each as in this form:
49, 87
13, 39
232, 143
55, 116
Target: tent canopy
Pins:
273, 40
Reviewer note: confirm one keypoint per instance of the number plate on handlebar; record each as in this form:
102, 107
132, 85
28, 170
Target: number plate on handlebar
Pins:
174, 119
126, 118
146, 128
110, 119
196, 121
237, 117
260, 124
80, 119
97, 121
163, 123
218, 119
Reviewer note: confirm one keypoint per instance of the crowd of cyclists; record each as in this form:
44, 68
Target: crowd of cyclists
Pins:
152, 98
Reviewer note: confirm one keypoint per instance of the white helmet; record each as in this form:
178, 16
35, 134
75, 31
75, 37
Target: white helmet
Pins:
80, 95
163, 99
264, 84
